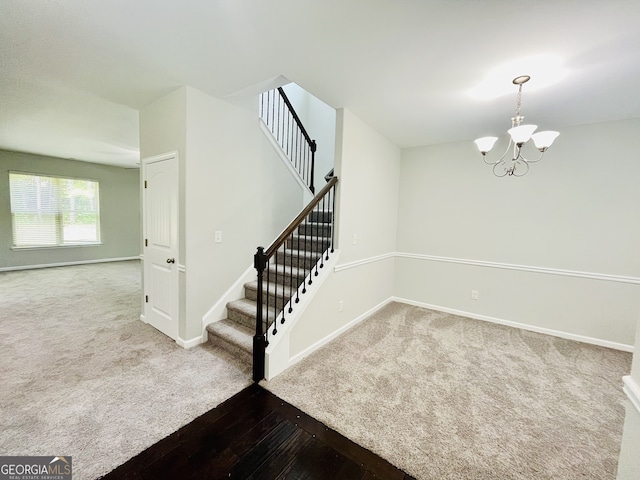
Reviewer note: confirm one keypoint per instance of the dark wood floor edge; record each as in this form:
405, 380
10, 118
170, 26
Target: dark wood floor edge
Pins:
255, 400
141, 460
332, 437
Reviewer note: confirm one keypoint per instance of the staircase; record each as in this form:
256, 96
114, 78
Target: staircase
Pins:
289, 265
300, 257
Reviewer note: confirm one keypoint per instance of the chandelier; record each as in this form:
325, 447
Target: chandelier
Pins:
519, 134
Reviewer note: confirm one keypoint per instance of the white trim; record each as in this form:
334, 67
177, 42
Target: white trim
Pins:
190, 343
66, 264
56, 247
277, 358
171, 329
505, 266
632, 390
525, 268
182, 268
305, 300
364, 261
159, 158
299, 356
219, 309
308, 195
532, 328
186, 344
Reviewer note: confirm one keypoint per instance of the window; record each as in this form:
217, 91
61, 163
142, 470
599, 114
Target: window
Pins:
51, 211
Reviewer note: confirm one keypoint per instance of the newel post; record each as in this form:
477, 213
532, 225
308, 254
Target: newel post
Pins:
259, 342
314, 147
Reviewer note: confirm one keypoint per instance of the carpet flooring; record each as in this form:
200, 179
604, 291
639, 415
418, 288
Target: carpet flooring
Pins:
446, 397
439, 396
83, 376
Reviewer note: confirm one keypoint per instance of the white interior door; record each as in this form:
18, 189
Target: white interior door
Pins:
160, 219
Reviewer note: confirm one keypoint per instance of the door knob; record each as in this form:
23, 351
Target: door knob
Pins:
171, 260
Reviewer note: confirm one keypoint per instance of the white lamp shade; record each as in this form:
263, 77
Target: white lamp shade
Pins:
543, 140
485, 144
521, 134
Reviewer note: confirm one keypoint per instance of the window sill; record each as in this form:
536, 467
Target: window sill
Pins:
53, 247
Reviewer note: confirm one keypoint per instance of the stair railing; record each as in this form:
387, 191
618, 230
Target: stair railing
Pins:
285, 125
291, 263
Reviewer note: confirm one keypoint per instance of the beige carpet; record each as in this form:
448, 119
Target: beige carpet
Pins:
83, 376
445, 397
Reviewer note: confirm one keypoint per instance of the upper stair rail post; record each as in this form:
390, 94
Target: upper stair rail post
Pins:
284, 123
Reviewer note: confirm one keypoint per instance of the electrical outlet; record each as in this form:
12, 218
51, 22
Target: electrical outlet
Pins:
218, 236
355, 239
340, 305
474, 294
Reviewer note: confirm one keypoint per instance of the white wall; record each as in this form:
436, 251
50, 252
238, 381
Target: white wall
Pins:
236, 184
574, 213
319, 119
231, 181
367, 166
163, 128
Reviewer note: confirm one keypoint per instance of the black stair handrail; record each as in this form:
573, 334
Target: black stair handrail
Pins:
312, 249
295, 115
284, 123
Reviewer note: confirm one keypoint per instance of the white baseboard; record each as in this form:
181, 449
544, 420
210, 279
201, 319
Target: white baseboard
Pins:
219, 309
299, 356
277, 358
190, 343
185, 343
532, 328
632, 390
66, 264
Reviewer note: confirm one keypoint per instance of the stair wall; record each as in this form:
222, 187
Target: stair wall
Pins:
291, 273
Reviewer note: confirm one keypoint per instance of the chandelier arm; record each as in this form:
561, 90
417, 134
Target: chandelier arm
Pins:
484, 157
494, 169
535, 160
524, 162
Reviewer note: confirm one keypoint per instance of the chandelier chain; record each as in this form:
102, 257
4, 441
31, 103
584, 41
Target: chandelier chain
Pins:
519, 100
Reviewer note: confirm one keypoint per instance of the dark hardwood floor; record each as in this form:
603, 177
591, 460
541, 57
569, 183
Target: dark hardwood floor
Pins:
256, 435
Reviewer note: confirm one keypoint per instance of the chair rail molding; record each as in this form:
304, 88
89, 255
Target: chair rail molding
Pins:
524, 268
504, 266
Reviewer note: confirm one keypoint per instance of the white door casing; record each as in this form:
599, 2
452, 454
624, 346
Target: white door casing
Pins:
160, 230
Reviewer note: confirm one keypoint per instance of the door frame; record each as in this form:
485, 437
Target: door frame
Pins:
180, 268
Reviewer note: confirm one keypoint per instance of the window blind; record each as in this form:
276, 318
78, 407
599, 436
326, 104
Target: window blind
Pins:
51, 211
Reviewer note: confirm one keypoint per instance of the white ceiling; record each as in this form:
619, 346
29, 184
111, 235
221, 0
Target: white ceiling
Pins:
74, 73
